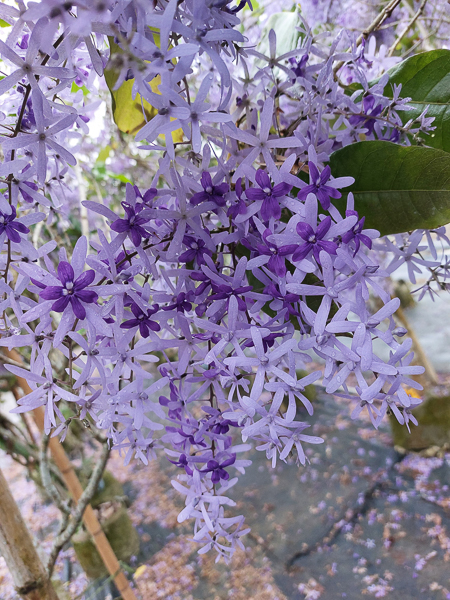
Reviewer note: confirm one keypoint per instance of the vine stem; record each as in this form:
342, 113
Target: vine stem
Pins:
376, 23
408, 26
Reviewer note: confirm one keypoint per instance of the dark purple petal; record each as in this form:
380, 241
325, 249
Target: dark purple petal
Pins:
331, 191
329, 247
302, 252
262, 249
255, 194
137, 312
130, 324
187, 256
149, 195
25, 195
223, 474
305, 231
61, 304
347, 237
368, 103
262, 179
12, 234
135, 236
325, 175
218, 199
51, 292
365, 240
39, 283
313, 173
281, 189
200, 197
78, 309
270, 208
206, 180
120, 226
65, 272
323, 228
88, 296
241, 304
285, 250
84, 280
229, 461
143, 329
308, 189
222, 188
277, 265
129, 210
154, 326
323, 199
20, 227
238, 188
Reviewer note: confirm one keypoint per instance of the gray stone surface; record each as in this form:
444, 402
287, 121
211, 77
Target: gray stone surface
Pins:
292, 507
360, 521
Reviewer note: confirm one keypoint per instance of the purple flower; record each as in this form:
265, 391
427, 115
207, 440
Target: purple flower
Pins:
183, 462
369, 114
142, 320
239, 208
132, 224
196, 252
31, 66
277, 254
288, 300
43, 138
268, 194
70, 291
211, 192
12, 228
356, 233
317, 185
314, 240
298, 65
181, 302
218, 469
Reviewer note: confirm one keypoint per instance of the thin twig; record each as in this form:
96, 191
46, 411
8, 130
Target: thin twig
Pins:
47, 482
379, 20
77, 515
409, 25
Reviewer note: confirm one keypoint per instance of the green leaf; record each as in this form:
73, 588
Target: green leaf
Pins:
396, 188
4, 23
103, 154
76, 87
425, 78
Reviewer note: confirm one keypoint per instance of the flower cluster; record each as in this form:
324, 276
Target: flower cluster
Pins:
185, 314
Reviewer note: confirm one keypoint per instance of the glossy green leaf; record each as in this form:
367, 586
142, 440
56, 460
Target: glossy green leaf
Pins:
425, 78
396, 188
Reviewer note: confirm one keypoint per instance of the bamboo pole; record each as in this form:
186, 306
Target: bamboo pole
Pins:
30, 578
75, 489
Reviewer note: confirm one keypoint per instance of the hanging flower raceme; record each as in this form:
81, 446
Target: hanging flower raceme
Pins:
182, 324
